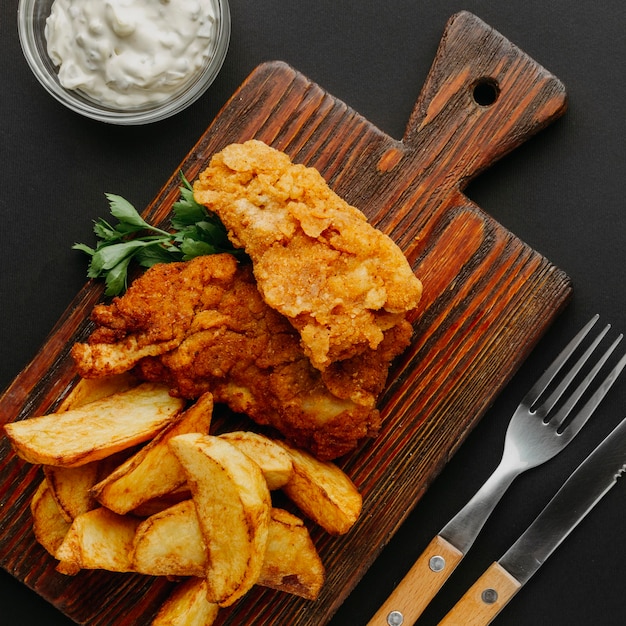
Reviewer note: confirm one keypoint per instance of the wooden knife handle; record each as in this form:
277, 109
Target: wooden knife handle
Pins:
484, 599
420, 585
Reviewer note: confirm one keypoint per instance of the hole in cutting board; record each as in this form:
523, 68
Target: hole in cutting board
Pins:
486, 92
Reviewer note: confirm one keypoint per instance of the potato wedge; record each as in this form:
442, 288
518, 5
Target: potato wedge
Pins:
274, 461
99, 539
323, 492
88, 390
291, 563
233, 507
170, 543
49, 525
187, 606
71, 487
96, 430
161, 503
153, 471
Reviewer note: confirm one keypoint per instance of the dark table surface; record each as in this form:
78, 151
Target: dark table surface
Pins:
562, 193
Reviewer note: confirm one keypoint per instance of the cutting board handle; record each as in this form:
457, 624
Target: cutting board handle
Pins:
482, 98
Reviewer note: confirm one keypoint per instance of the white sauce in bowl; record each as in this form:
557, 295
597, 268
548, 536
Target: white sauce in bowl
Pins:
129, 53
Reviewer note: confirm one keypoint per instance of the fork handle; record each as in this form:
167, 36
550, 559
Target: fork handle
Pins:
484, 599
420, 585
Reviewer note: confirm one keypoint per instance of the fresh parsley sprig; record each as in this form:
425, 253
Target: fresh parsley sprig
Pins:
195, 232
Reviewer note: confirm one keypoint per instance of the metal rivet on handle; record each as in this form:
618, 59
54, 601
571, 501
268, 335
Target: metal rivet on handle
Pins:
395, 618
489, 596
437, 563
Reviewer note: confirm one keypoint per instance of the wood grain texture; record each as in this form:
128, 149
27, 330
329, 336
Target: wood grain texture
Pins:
483, 601
421, 583
488, 298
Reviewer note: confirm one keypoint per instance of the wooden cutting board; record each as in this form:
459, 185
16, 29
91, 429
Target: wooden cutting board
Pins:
488, 298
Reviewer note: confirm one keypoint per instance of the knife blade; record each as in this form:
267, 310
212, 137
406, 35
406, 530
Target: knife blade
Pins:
588, 484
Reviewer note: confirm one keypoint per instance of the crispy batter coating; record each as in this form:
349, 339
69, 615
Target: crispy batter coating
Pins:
154, 316
341, 282
203, 326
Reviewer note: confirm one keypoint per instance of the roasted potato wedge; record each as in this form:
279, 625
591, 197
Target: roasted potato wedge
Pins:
153, 471
323, 492
161, 503
88, 390
71, 487
233, 507
291, 563
187, 606
99, 539
170, 543
95, 430
49, 524
274, 461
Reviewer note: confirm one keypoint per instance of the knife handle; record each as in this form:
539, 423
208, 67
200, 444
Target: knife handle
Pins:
484, 599
420, 585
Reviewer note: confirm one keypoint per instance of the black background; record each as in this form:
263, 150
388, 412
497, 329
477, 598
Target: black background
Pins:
562, 193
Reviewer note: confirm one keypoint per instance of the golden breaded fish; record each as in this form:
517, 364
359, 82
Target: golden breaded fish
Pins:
340, 281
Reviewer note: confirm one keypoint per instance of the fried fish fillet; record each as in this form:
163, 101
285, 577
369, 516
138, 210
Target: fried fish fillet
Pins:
341, 282
155, 315
203, 326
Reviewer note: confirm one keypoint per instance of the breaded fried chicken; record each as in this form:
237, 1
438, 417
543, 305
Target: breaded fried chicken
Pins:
341, 282
203, 326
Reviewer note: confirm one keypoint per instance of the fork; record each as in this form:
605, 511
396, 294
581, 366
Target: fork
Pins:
535, 434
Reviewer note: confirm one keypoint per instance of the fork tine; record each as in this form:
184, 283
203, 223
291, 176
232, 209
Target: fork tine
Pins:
548, 376
548, 405
590, 406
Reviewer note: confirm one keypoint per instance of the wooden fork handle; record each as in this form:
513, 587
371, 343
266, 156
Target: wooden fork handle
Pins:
420, 585
484, 599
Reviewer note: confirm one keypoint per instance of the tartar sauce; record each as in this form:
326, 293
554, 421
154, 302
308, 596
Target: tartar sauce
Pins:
129, 53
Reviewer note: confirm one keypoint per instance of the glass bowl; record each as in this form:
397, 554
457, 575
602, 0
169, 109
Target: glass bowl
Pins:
32, 15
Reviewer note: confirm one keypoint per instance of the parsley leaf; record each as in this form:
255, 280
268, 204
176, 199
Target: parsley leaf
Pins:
195, 232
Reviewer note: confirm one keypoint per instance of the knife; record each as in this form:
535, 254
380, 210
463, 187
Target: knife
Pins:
578, 495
